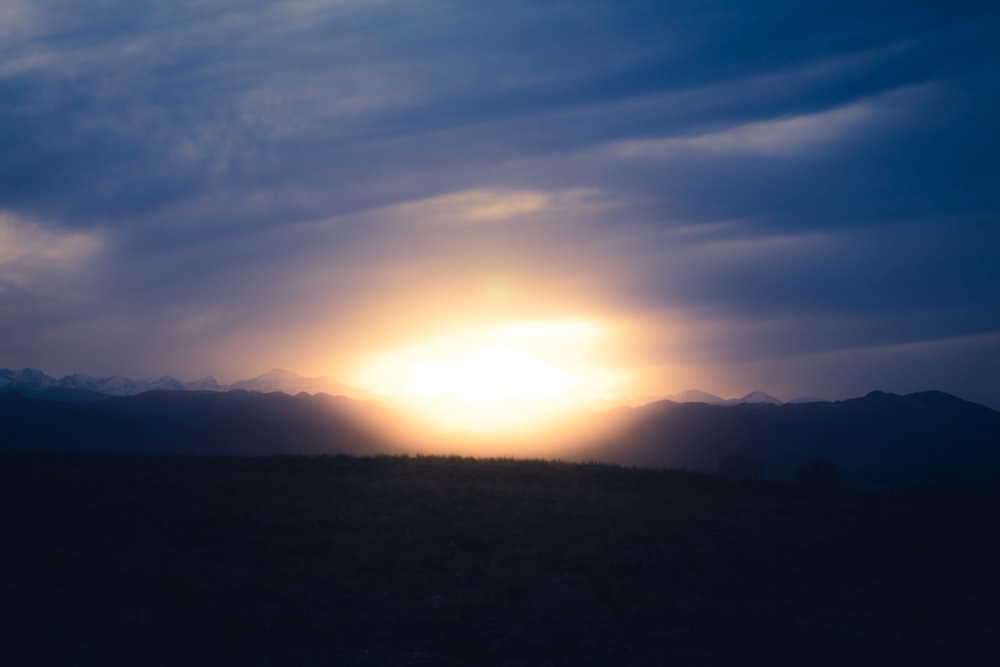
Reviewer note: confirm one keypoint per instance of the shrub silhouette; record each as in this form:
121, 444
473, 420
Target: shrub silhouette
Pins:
740, 466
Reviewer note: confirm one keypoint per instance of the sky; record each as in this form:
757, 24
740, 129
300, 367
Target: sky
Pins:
651, 196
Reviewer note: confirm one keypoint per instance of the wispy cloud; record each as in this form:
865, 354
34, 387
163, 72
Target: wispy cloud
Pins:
489, 205
34, 257
774, 137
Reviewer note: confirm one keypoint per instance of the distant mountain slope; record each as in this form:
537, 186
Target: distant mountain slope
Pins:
879, 440
35, 383
291, 383
116, 385
29, 379
698, 396
236, 422
757, 396
695, 396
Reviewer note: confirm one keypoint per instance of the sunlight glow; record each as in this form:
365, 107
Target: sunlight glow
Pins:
489, 374
575, 330
494, 378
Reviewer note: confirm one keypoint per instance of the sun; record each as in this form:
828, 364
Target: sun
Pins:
490, 374
497, 378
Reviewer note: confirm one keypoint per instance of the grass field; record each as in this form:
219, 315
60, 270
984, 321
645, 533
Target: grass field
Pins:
115, 559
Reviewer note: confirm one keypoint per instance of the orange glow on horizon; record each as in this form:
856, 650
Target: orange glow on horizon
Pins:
499, 378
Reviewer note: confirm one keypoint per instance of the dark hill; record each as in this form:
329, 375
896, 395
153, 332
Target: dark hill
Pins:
236, 422
880, 439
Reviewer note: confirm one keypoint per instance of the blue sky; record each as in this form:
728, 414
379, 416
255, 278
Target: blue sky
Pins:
801, 197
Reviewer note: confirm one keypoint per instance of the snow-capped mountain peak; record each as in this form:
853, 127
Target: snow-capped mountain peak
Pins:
288, 382
695, 396
117, 385
280, 380
207, 383
759, 396
29, 378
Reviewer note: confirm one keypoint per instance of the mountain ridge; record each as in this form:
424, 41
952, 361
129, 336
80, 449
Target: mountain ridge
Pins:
757, 396
280, 380
78, 387
880, 439
877, 440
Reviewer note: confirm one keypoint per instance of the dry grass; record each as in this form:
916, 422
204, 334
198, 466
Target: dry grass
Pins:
390, 561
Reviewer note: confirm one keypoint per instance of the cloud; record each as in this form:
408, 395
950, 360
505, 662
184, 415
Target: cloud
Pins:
487, 206
35, 258
773, 137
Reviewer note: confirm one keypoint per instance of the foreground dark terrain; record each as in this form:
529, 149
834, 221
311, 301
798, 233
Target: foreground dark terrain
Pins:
157, 560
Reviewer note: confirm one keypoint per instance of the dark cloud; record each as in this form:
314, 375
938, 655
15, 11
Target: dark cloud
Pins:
812, 178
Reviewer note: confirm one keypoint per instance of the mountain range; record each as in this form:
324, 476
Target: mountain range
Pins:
86, 388
82, 387
878, 440
697, 396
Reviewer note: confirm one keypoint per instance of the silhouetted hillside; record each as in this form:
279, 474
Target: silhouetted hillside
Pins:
236, 422
880, 439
